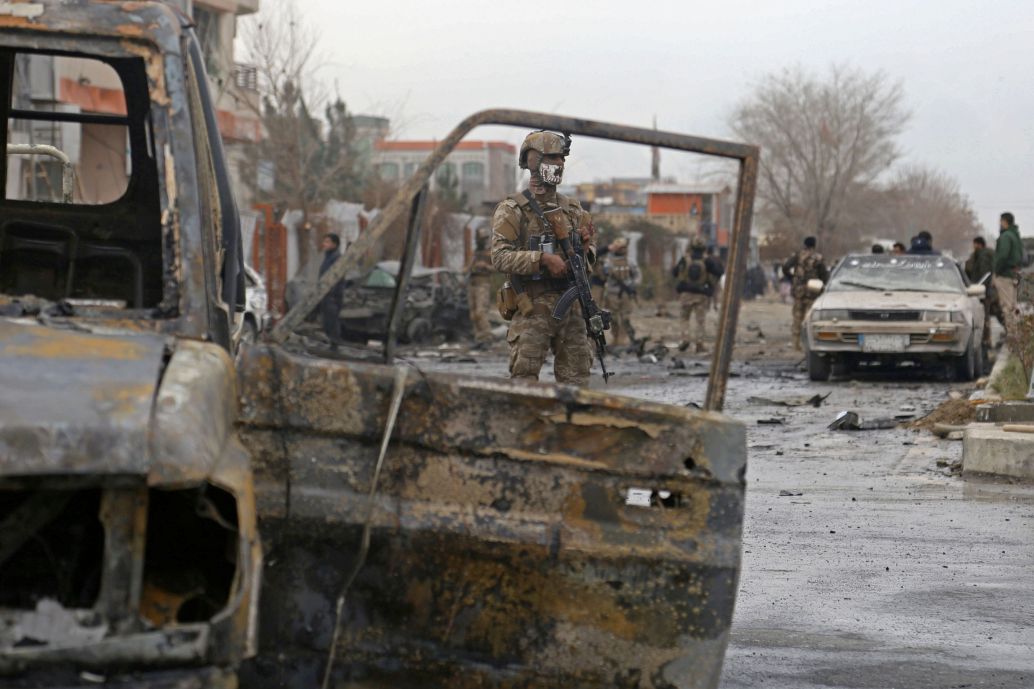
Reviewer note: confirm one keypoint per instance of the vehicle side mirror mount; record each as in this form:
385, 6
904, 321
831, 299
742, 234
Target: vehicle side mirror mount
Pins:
815, 286
979, 291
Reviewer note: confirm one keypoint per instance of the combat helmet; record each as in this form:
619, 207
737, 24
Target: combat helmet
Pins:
546, 143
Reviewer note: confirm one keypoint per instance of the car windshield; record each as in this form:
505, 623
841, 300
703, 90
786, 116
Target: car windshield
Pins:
896, 273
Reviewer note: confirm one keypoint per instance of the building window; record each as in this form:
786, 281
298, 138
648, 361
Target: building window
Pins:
473, 172
388, 171
410, 169
447, 174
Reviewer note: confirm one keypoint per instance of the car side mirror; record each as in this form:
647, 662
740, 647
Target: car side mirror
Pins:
979, 291
815, 286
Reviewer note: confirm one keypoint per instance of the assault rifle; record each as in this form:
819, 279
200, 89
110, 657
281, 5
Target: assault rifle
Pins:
597, 320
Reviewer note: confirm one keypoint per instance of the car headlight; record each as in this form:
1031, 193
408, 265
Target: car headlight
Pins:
944, 317
829, 315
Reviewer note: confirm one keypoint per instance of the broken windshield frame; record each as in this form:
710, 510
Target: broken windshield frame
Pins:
357, 255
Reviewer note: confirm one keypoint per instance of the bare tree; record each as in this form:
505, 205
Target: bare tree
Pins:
308, 156
822, 140
919, 198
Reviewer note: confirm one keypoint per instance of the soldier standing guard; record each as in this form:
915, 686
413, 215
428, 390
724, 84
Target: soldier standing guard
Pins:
524, 247
621, 292
479, 288
804, 265
695, 279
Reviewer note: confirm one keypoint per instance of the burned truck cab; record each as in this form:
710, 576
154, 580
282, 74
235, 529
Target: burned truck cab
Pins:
128, 544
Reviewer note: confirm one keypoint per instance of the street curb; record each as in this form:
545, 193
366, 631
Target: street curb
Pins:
989, 450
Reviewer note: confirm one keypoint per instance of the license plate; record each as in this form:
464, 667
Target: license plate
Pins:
884, 343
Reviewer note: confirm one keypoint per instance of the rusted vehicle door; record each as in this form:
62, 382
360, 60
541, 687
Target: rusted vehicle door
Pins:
425, 530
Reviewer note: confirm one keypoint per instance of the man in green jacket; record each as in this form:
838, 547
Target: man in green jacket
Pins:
1008, 261
980, 270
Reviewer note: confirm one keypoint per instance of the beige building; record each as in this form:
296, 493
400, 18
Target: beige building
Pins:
486, 171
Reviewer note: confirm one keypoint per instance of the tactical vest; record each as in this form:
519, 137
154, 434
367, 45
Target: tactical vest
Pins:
692, 276
807, 267
620, 268
531, 231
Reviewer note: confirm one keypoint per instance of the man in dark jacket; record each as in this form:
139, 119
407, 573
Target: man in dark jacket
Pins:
922, 244
979, 268
1008, 261
330, 305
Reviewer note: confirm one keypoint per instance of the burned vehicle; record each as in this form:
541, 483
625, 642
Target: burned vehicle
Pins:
417, 529
129, 535
435, 307
882, 309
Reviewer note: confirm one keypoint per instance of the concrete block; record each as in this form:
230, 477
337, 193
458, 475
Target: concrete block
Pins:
1006, 412
987, 449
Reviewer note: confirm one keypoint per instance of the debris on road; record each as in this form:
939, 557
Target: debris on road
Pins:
789, 493
850, 421
845, 421
798, 401
955, 412
771, 422
948, 431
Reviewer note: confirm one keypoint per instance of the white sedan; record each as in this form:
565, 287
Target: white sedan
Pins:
890, 310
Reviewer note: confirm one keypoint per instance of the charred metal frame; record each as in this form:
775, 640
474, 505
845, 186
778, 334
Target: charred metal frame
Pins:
747, 155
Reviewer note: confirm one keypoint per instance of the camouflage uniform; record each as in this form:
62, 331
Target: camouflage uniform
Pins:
695, 278
532, 336
805, 265
479, 292
621, 278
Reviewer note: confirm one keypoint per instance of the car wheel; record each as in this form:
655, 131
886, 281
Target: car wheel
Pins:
418, 331
966, 365
819, 367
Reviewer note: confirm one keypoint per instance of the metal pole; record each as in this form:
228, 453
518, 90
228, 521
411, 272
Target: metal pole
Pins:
398, 301
67, 171
725, 339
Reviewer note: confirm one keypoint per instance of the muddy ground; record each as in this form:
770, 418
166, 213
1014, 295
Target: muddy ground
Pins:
867, 561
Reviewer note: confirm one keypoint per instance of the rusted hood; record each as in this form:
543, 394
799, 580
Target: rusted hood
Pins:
75, 403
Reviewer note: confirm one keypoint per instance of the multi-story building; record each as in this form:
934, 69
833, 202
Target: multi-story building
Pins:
485, 171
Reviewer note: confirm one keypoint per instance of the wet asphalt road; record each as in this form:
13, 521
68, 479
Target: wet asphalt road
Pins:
886, 571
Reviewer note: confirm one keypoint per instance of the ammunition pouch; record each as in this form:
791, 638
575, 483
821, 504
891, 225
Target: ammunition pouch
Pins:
506, 301
510, 302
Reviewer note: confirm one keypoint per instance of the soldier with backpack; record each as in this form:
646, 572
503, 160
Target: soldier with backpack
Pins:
695, 278
805, 265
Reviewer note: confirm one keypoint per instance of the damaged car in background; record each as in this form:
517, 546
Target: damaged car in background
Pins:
887, 310
435, 309
417, 529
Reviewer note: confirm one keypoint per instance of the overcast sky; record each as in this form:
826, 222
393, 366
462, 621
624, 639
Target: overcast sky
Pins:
966, 68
